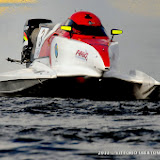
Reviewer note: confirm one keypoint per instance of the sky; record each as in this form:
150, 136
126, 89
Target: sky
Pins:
139, 45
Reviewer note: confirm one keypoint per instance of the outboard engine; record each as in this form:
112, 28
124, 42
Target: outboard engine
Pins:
30, 26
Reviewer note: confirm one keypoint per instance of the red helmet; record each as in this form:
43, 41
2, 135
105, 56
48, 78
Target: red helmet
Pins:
85, 18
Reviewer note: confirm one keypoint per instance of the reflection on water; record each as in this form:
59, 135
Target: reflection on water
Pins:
18, 1
10, 6
3, 10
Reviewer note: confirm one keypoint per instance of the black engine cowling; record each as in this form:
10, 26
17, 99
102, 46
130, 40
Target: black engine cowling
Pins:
29, 27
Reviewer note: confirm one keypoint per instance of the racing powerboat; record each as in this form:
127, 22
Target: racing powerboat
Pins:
74, 59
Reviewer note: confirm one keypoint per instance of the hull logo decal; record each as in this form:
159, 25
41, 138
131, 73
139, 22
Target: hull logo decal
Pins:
82, 55
56, 50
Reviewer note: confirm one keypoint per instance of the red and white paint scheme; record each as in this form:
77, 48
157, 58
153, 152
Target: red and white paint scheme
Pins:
80, 48
85, 50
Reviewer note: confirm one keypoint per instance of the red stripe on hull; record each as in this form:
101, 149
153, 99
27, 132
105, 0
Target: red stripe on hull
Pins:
103, 51
46, 49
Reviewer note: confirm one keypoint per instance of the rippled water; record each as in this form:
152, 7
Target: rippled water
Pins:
54, 128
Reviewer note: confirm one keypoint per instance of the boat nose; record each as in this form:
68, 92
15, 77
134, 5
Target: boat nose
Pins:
106, 69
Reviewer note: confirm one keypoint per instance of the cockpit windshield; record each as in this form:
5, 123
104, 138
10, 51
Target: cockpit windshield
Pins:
86, 30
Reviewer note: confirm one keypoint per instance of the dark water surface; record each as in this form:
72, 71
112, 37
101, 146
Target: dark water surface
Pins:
69, 129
